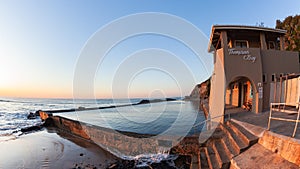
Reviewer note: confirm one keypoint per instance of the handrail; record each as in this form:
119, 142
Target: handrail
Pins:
283, 119
207, 120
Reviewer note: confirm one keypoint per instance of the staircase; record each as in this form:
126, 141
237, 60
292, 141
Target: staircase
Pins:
228, 141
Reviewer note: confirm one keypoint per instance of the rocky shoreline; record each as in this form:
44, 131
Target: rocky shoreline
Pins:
181, 161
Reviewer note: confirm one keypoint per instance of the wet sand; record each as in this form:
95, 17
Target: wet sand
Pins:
52, 149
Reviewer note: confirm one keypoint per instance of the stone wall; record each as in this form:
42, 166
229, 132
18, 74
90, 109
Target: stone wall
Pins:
70, 126
118, 143
287, 147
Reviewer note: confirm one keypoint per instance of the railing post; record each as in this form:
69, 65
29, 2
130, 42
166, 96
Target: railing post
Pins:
270, 116
296, 125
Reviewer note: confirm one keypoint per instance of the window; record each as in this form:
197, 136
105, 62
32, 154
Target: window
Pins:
273, 77
271, 45
281, 74
241, 44
264, 78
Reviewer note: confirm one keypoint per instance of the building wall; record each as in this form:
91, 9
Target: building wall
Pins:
266, 62
277, 62
238, 63
233, 64
217, 89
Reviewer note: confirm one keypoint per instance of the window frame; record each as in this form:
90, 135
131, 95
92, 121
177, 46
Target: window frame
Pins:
273, 77
241, 41
269, 45
265, 78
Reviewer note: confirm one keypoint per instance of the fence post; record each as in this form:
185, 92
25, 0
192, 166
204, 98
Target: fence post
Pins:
296, 125
270, 116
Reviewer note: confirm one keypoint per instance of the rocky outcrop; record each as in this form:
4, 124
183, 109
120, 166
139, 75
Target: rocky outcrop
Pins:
181, 161
200, 91
31, 128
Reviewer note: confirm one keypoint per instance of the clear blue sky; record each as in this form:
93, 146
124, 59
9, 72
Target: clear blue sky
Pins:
40, 41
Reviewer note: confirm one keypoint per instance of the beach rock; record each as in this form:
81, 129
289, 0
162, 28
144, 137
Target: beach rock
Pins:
170, 99
122, 164
183, 161
48, 122
31, 116
31, 128
164, 164
37, 113
144, 102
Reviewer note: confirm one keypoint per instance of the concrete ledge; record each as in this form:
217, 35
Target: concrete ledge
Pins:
287, 147
120, 143
259, 157
253, 129
71, 126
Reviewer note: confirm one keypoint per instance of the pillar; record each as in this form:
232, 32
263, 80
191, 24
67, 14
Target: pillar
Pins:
263, 44
281, 42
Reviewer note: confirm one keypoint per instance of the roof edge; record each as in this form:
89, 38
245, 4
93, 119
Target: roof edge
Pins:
240, 27
245, 27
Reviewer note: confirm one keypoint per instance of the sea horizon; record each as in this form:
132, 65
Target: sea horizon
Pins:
14, 112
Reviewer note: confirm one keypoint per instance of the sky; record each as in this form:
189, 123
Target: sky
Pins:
41, 43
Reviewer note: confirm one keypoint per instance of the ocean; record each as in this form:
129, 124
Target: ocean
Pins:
174, 117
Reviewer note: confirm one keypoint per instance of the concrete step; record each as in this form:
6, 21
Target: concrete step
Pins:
213, 161
222, 154
257, 156
234, 138
233, 149
211, 144
249, 138
204, 159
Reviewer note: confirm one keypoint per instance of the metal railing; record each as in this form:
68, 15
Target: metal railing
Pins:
208, 122
279, 109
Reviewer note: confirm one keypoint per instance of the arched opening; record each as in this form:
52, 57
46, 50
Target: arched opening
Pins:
240, 95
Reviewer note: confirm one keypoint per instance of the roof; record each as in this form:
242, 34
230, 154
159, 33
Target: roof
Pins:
215, 32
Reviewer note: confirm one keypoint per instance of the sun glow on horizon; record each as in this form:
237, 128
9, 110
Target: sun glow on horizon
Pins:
40, 43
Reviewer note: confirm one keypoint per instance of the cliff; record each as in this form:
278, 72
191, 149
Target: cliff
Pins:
200, 91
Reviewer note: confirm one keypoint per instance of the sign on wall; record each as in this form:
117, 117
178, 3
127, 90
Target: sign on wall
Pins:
260, 92
244, 53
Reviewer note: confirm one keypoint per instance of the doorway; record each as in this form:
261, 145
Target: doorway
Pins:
239, 94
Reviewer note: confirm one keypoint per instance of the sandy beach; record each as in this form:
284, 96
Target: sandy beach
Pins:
50, 148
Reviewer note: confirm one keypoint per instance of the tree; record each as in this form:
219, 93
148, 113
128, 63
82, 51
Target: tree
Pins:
292, 37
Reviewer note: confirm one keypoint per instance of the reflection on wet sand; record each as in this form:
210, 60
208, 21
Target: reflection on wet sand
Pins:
52, 149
